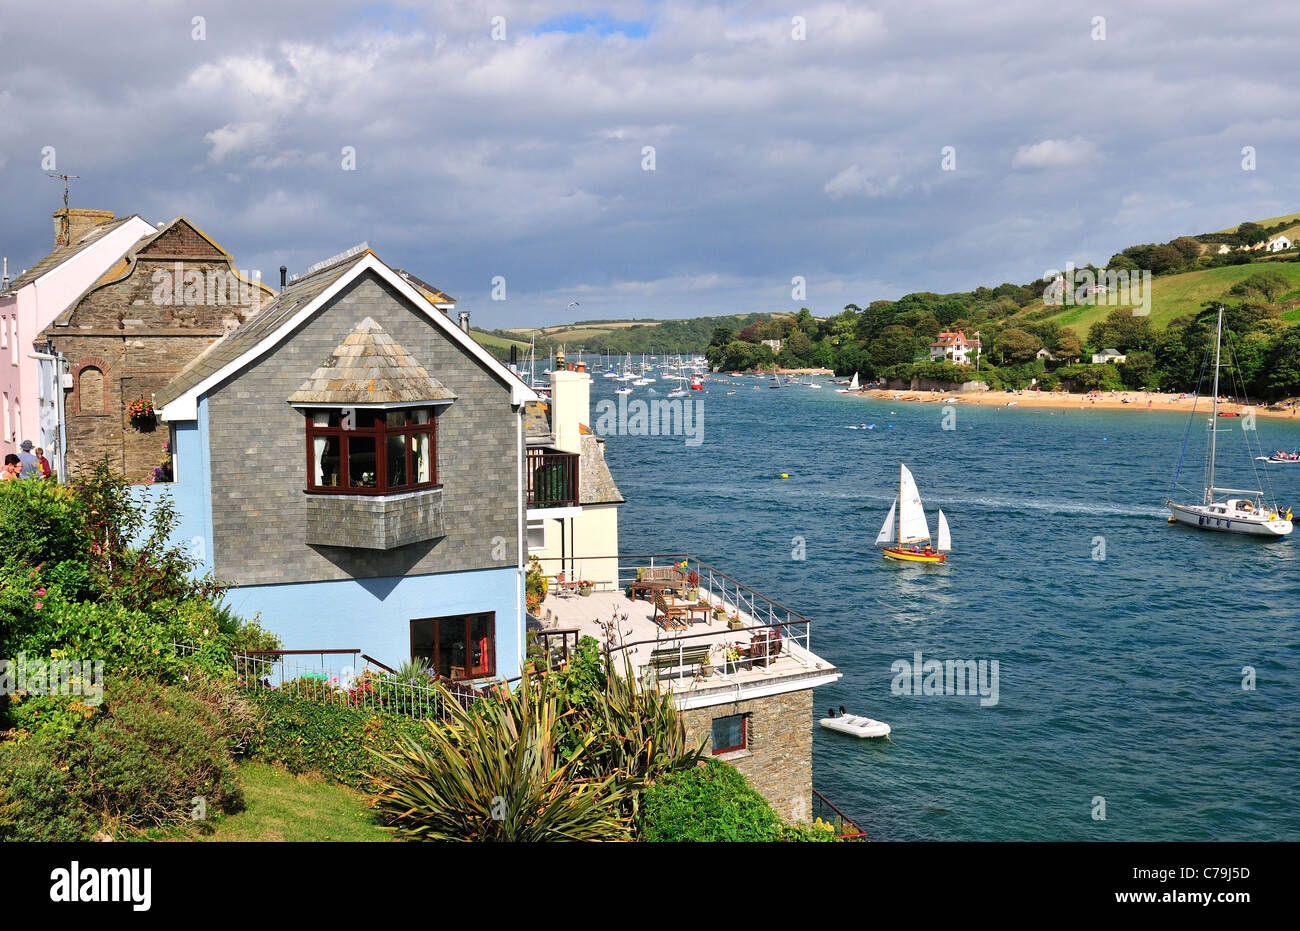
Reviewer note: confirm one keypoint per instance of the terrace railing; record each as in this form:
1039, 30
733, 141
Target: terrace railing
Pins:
552, 478
753, 612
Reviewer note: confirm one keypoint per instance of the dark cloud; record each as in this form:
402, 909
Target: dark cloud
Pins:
774, 157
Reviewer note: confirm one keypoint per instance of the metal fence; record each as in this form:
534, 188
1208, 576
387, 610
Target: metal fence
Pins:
824, 809
347, 678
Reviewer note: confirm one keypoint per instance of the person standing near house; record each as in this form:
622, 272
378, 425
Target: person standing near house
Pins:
46, 469
11, 468
31, 467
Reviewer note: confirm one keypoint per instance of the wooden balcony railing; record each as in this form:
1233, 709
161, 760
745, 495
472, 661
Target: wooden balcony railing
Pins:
552, 479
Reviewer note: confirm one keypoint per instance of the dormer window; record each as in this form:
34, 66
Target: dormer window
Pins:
371, 451
371, 413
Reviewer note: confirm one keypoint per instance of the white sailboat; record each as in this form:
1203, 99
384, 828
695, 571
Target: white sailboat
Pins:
1251, 515
853, 385
901, 537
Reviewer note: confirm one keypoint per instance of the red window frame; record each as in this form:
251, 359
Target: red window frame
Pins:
744, 734
409, 428
486, 668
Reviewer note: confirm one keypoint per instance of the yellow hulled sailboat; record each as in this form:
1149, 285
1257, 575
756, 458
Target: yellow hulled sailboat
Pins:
905, 535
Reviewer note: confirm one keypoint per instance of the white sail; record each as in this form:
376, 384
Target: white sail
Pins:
886, 535
945, 538
853, 385
912, 525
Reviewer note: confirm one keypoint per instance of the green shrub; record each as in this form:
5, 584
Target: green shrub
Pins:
709, 803
493, 773
45, 803
40, 522
304, 735
154, 749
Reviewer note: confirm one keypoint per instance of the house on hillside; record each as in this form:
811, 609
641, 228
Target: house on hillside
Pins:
954, 347
1277, 244
1223, 249
87, 243
1108, 356
1045, 355
774, 344
136, 326
352, 463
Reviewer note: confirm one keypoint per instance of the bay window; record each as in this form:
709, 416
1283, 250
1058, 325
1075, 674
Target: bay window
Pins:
371, 451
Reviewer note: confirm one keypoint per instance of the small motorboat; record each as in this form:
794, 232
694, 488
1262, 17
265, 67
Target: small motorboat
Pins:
854, 725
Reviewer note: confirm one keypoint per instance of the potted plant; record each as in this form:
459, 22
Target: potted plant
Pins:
584, 588
141, 412
706, 669
734, 622
692, 586
719, 612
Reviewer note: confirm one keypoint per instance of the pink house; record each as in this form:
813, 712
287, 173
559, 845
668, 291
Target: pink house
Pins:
87, 244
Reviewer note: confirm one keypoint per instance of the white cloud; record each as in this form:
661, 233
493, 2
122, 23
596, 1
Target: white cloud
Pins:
856, 180
1055, 153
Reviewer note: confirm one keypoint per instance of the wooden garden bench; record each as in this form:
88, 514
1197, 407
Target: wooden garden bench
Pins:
673, 657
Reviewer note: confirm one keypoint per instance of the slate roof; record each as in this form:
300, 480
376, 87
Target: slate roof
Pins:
292, 298
370, 367
537, 419
63, 253
595, 483
435, 295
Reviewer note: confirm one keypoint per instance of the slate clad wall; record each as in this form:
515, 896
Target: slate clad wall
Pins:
259, 458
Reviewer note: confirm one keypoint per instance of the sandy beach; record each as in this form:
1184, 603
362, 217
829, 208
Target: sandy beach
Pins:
1107, 400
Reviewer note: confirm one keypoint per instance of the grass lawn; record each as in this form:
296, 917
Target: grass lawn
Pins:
1174, 296
284, 807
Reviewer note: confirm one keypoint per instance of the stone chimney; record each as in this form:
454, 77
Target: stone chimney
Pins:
71, 223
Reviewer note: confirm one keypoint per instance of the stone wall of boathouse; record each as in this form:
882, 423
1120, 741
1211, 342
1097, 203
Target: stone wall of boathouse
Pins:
778, 760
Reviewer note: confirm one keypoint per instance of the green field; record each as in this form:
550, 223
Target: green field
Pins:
1289, 218
1172, 297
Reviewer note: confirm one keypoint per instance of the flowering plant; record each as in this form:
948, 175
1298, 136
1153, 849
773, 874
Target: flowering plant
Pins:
163, 471
140, 409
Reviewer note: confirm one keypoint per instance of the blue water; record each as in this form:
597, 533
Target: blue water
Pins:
1119, 678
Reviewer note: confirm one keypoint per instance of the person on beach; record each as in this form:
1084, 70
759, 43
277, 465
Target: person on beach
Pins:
11, 468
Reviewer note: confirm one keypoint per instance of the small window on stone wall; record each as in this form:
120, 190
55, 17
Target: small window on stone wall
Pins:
90, 391
730, 733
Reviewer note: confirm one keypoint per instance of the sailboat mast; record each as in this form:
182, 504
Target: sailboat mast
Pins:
899, 538
1214, 411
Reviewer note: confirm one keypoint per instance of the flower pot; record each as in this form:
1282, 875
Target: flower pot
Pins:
735, 623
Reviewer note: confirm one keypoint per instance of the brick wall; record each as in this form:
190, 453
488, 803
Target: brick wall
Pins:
778, 762
259, 459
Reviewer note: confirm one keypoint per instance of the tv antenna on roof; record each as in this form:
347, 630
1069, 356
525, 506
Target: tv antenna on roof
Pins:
66, 221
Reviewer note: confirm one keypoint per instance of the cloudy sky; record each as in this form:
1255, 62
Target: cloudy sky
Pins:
800, 139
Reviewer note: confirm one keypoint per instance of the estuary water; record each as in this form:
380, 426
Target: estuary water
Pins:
1120, 639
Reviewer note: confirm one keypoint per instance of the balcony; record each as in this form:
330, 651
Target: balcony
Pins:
753, 646
552, 479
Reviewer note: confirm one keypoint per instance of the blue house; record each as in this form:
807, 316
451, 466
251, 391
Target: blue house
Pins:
351, 463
